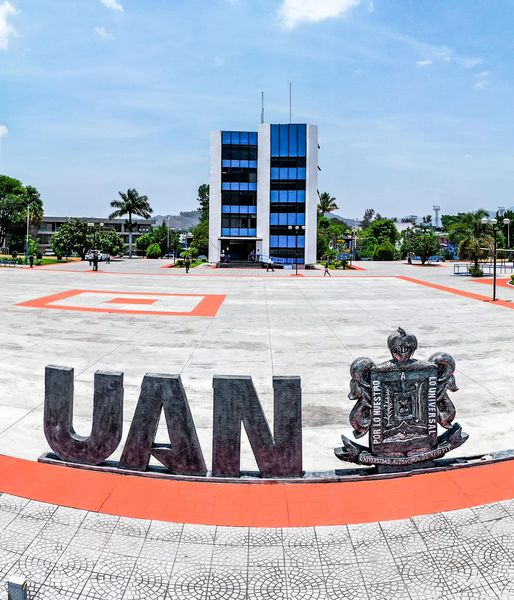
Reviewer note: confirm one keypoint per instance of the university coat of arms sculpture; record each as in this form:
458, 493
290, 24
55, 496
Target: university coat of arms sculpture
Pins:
400, 404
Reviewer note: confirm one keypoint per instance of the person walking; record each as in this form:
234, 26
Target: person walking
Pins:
31, 261
258, 257
327, 272
95, 261
187, 263
270, 265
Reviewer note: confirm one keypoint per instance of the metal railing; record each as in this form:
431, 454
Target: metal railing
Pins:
487, 268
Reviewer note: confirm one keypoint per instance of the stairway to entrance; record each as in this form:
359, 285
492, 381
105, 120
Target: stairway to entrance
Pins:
240, 264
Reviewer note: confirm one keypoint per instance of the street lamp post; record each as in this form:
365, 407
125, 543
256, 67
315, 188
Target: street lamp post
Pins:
353, 245
27, 234
494, 223
507, 222
296, 229
94, 228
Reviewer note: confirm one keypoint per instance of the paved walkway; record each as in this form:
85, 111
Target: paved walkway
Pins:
309, 326
68, 554
267, 324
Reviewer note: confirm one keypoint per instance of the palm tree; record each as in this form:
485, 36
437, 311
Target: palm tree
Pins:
130, 204
474, 241
327, 203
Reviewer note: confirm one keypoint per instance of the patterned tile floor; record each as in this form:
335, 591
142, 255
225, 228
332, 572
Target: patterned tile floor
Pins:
68, 554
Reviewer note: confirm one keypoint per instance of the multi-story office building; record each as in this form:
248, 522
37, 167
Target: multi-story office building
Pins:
51, 225
263, 194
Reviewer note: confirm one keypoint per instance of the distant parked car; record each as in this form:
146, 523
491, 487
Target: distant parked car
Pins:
436, 258
202, 257
49, 252
101, 255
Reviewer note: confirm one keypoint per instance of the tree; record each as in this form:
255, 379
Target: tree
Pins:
73, 236
203, 200
190, 252
329, 232
160, 236
427, 219
143, 241
376, 234
153, 251
382, 230
384, 251
473, 238
422, 242
327, 203
200, 233
131, 204
14, 200
367, 218
201, 237
107, 240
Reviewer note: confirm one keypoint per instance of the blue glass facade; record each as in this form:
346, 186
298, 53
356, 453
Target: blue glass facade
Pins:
288, 193
239, 183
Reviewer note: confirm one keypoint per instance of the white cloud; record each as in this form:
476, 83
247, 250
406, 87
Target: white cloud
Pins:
6, 29
482, 80
113, 5
103, 33
3, 131
295, 12
423, 63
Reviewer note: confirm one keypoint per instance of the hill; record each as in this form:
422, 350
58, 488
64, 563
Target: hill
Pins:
185, 220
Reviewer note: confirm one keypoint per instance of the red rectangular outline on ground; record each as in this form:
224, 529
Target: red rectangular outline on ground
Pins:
207, 307
131, 301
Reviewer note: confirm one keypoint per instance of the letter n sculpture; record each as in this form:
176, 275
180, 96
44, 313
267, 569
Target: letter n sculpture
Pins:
400, 404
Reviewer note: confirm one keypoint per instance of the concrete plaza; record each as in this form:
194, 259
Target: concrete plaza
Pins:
137, 317
267, 324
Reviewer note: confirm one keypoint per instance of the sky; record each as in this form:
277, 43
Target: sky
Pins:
413, 99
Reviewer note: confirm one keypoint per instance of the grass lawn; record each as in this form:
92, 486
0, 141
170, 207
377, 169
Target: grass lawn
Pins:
46, 260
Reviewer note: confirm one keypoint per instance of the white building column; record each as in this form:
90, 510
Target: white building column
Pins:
263, 187
215, 197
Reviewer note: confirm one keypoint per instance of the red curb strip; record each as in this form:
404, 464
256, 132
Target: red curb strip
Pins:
267, 504
457, 292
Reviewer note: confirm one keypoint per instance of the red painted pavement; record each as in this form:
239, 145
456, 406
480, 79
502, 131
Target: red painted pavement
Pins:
264, 504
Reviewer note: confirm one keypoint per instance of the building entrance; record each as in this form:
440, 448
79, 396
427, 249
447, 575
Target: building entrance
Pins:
238, 250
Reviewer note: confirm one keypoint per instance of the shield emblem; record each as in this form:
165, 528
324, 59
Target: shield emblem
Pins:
404, 408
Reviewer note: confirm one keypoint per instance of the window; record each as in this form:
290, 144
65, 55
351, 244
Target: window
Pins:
238, 225
288, 140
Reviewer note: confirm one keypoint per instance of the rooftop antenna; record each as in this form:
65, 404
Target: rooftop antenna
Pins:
290, 102
262, 107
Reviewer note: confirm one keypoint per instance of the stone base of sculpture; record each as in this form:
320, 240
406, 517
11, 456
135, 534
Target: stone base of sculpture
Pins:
352, 452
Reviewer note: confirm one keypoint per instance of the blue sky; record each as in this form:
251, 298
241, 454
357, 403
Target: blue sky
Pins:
414, 100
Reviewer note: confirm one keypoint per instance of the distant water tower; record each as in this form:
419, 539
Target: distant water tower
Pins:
436, 209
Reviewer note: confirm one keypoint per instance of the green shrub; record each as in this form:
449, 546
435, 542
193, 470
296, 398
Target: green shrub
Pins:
475, 271
385, 251
153, 251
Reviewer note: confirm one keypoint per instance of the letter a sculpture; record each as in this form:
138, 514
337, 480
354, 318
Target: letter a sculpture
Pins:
400, 402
